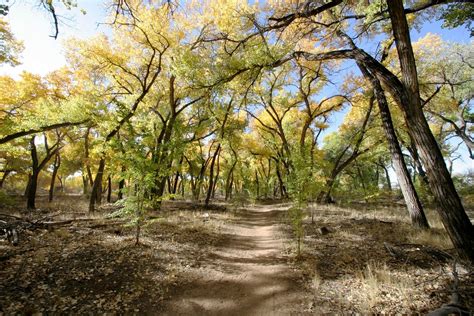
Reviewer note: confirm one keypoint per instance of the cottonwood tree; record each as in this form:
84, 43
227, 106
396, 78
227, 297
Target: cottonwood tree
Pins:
447, 87
10, 47
326, 21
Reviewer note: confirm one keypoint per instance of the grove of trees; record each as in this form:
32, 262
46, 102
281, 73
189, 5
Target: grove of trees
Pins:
227, 99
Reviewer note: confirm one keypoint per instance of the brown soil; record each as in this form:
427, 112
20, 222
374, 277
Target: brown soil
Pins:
92, 265
232, 262
247, 274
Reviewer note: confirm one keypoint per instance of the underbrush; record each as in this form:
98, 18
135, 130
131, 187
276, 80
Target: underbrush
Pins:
90, 264
370, 260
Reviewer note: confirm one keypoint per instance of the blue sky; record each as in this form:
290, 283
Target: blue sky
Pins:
32, 25
43, 54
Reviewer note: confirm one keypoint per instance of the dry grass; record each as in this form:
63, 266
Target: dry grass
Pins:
350, 270
434, 237
93, 267
377, 281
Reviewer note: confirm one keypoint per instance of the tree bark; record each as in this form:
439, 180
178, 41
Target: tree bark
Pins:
216, 178
31, 193
412, 200
56, 165
96, 192
109, 189
174, 188
451, 210
121, 187
211, 176
282, 188
36, 169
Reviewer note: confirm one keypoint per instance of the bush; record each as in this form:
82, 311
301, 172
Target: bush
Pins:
5, 199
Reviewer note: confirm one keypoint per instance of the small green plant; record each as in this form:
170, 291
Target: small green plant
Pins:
132, 209
137, 200
296, 215
241, 199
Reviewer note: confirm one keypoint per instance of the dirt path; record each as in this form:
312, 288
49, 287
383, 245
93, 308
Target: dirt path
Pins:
247, 275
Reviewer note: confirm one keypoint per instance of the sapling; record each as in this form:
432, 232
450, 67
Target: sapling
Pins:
296, 215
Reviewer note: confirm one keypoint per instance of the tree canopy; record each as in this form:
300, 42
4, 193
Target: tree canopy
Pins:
231, 99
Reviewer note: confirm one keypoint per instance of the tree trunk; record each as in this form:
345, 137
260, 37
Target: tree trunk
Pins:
109, 189
211, 176
85, 184
451, 210
36, 169
96, 193
56, 165
121, 185
4, 176
362, 181
120, 189
175, 183
412, 200
228, 181
418, 167
216, 178
325, 195
281, 184
62, 185
31, 193
387, 175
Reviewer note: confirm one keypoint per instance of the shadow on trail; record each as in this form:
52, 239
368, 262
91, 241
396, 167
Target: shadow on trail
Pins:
250, 218
246, 275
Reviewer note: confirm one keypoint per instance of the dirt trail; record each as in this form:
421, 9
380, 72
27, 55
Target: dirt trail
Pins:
247, 275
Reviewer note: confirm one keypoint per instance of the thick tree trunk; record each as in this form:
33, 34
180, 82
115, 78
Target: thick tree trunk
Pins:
96, 192
31, 193
451, 210
36, 169
412, 200
56, 165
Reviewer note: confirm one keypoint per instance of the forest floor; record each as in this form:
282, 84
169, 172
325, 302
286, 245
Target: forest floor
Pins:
246, 274
239, 260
